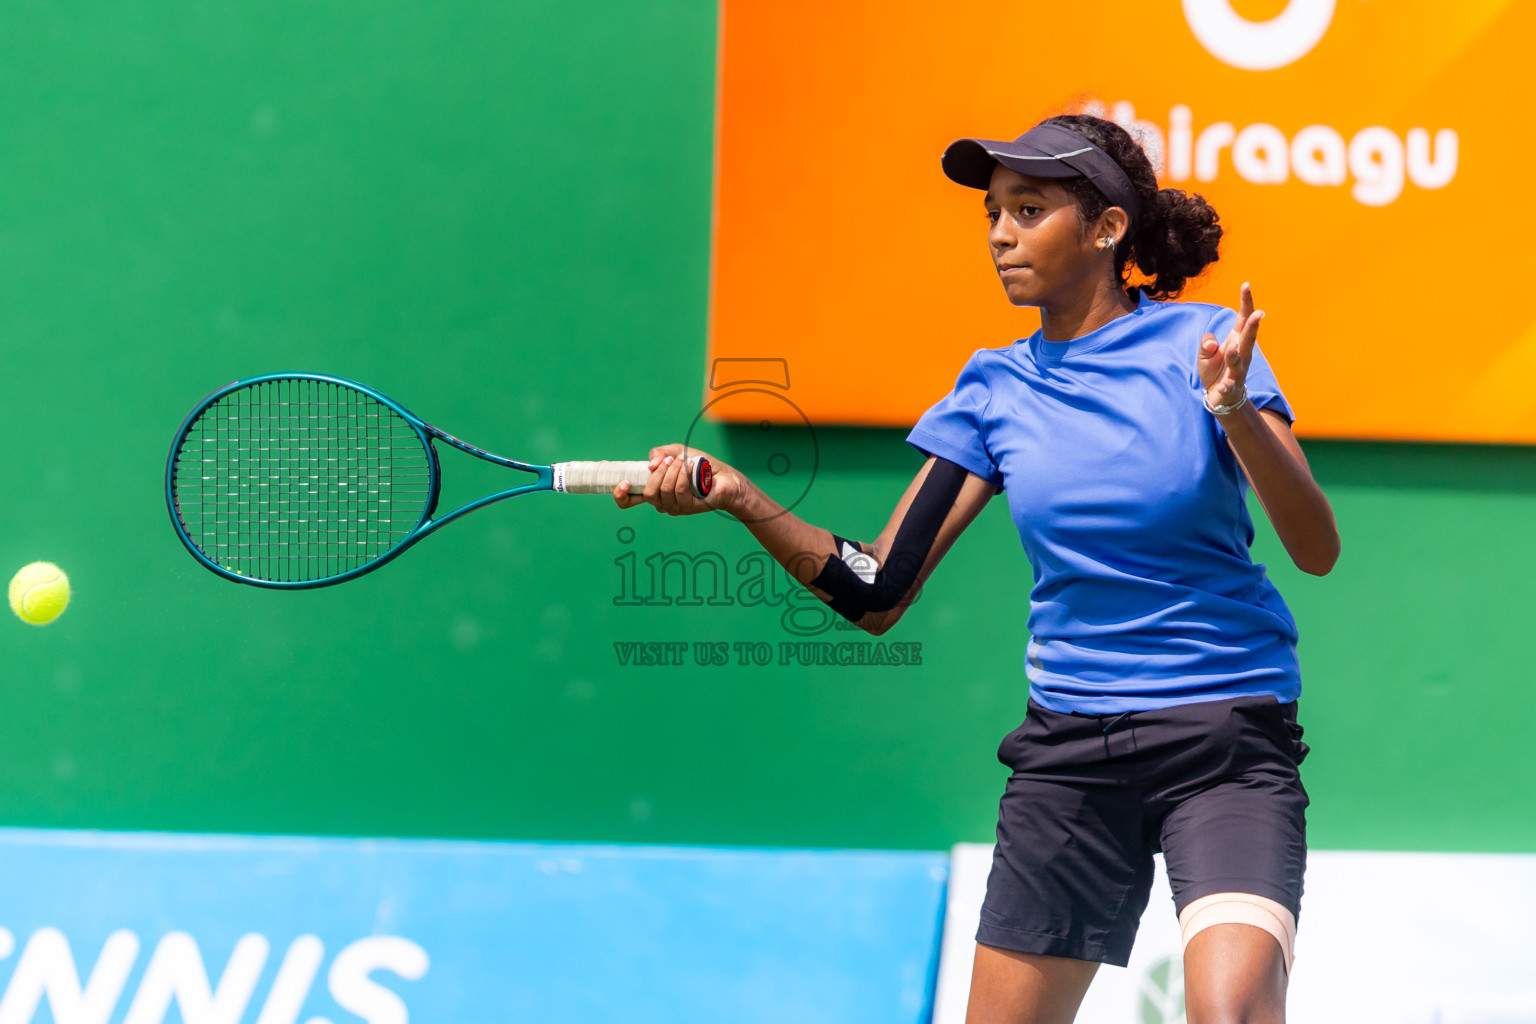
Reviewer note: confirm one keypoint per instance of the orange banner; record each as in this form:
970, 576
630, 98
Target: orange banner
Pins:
1369, 161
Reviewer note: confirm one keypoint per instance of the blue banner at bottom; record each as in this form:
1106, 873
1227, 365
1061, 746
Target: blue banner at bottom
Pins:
128, 928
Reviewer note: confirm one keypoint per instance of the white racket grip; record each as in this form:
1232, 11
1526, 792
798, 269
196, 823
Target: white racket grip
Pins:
603, 477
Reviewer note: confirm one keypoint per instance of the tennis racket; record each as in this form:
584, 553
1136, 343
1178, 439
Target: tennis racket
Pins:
295, 480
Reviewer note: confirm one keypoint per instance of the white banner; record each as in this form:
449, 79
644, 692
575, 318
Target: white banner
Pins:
1389, 938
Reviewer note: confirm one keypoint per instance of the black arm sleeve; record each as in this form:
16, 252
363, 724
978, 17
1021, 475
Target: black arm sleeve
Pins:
849, 595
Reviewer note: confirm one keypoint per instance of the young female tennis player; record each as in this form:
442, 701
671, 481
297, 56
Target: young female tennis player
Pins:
1162, 661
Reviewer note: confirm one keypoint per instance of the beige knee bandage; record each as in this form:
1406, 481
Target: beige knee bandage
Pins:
1241, 908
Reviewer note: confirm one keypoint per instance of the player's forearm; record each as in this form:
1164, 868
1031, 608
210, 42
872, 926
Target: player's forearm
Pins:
802, 549
1295, 504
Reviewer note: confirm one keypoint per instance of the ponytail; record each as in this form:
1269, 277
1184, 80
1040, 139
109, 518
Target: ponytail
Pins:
1176, 240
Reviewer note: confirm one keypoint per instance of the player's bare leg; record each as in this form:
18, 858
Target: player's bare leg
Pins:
1234, 973
1026, 988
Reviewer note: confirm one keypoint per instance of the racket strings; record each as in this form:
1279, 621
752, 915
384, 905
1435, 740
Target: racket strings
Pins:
299, 480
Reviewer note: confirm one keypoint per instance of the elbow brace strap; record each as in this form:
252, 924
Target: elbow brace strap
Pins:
853, 590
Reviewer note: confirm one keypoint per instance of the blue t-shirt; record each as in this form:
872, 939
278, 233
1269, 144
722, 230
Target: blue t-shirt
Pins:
1132, 510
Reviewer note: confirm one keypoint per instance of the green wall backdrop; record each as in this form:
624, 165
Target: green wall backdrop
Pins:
499, 213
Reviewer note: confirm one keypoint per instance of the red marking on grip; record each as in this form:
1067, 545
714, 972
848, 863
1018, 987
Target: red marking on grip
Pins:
706, 477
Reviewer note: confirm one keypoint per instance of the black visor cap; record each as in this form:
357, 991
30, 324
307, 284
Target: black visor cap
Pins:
1045, 151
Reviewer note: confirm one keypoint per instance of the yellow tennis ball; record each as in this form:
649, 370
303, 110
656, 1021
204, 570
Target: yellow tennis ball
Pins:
39, 593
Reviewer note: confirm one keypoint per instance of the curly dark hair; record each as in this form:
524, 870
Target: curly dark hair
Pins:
1177, 233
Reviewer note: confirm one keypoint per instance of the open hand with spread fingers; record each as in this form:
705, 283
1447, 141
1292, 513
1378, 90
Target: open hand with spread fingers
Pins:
1224, 367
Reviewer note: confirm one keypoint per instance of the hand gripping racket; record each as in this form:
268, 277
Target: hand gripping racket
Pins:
297, 480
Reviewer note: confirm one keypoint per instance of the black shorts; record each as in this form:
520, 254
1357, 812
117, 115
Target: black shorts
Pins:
1213, 785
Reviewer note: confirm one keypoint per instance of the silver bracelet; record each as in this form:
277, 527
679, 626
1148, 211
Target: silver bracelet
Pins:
1225, 410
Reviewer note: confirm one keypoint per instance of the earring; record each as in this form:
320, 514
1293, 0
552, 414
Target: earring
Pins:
1108, 243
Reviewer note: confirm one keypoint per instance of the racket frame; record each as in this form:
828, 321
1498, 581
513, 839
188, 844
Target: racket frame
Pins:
425, 525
